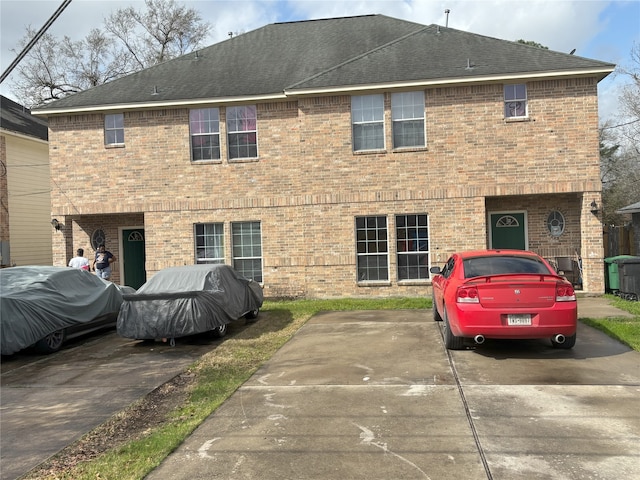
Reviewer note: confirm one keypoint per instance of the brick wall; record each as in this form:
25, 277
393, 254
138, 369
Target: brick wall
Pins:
308, 185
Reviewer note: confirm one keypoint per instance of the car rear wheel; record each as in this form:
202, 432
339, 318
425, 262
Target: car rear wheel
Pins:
569, 342
51, 343
451, 342
252, 315
220, 331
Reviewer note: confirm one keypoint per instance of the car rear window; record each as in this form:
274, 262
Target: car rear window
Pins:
479, 266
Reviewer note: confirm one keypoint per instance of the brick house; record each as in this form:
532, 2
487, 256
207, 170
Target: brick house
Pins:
337, 157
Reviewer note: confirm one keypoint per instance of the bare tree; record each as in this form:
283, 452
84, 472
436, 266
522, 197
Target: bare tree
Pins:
620, 146
130, 41
163, 31
630, 100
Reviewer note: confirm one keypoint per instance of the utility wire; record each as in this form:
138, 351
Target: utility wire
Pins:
34, 40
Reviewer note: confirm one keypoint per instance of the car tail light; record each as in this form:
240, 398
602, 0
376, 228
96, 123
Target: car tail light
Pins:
565, 293
467, 295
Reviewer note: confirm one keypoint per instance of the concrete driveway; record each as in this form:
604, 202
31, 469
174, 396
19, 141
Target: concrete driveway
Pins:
49, 401
354, 395
375, 395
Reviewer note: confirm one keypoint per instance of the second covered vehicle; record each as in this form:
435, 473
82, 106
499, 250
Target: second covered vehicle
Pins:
509, 294
181, 301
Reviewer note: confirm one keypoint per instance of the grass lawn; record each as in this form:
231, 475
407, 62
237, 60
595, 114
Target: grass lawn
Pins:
626, 330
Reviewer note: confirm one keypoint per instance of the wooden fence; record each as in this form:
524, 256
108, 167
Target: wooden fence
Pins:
619, 240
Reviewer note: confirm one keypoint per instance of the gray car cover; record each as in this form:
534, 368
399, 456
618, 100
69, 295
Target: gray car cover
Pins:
181, 301
38, 300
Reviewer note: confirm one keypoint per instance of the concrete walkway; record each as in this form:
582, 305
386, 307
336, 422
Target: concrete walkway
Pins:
375, 395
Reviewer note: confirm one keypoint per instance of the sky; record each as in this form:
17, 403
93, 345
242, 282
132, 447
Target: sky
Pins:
596, 29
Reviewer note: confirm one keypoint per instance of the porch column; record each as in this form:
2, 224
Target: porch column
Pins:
592, 246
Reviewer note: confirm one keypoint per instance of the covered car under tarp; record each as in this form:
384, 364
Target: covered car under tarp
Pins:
181, 301
36, 301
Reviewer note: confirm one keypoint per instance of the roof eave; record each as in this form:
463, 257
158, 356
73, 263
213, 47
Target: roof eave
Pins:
299, 92
23, 136
340, 89
119, 107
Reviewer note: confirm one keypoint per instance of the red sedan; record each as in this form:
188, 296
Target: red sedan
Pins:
509, 294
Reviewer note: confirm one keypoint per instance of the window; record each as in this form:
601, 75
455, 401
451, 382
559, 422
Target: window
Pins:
367, 118
242, 132
372, 249
412, 237
555, 223
494, 265
407, 116
114, 129
204, 125
209, 242
247, 249
515, 101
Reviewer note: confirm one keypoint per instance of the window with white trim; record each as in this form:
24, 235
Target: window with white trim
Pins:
372, 249
412, 241
367, 119
407, 116
204, 126
114, 129
247, 249
242, 132
209, 242
515, 101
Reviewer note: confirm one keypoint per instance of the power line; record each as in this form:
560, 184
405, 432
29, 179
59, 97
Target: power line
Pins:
34, 40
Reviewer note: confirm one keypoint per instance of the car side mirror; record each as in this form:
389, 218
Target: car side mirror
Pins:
435, 270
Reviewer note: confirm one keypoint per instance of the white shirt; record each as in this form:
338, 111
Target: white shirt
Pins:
79, 262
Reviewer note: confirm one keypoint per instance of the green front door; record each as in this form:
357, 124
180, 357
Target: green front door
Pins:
133, 257
508, 230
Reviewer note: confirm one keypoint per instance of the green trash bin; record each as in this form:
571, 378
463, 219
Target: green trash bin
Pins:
611, 273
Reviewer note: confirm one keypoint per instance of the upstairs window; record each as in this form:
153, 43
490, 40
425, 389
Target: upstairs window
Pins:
515, 101
367, 118
209, 242
204, 125
372, 249
114, 129
407, 116
242, 132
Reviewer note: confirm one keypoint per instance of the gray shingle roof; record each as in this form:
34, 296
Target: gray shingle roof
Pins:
328, 54
16, 118
633, 208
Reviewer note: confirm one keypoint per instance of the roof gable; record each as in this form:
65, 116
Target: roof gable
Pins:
288, 58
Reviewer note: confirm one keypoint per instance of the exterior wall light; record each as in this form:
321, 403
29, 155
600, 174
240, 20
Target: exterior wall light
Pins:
56, 224
594, 208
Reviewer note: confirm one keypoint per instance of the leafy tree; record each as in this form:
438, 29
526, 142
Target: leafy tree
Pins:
130, 41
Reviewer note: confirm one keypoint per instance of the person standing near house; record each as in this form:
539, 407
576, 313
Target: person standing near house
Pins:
79, 261
102, 262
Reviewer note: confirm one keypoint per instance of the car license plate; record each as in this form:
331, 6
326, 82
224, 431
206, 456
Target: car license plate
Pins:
519, 319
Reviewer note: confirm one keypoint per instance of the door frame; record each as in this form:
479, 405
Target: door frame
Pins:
506, 212
121, 247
